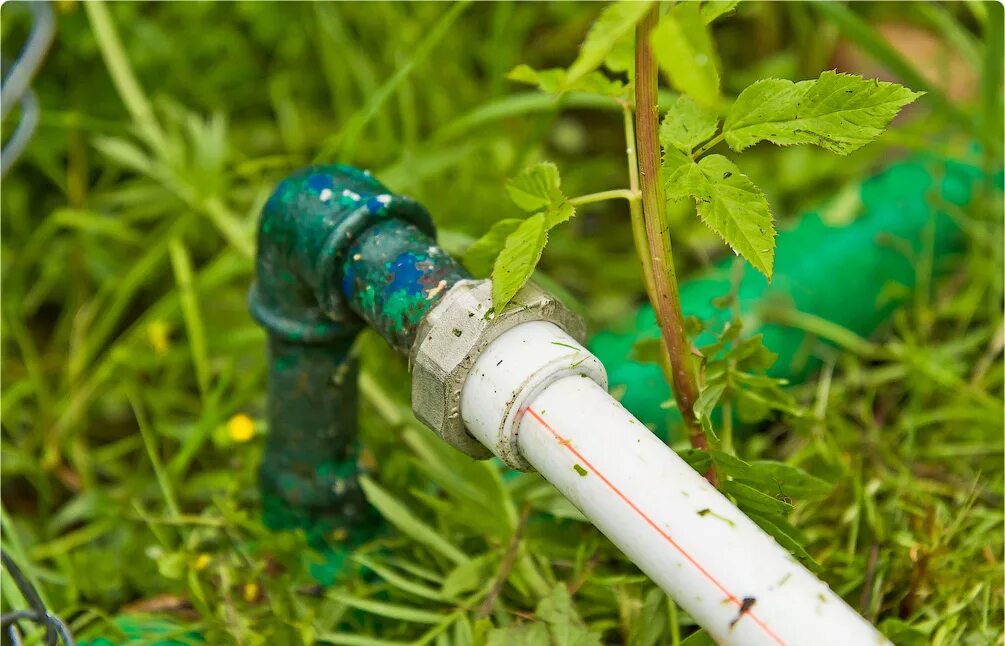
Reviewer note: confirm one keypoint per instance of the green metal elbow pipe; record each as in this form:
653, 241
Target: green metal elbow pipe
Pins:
336, 251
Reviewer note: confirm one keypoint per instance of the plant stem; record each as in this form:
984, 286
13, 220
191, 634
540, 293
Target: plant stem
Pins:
664, 278
708, 146
635, 206
615, 194
122, 74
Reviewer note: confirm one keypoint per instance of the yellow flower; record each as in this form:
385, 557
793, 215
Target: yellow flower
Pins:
200, 562
240, 428
158, 335
250, 592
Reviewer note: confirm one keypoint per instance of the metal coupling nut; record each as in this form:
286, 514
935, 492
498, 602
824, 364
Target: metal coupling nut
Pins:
450, 339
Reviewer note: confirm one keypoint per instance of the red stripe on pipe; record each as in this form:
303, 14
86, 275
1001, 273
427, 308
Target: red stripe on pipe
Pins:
729, 595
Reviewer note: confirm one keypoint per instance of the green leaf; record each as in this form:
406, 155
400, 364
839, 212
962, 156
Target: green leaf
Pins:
700, 638
649, 625
707, 400
536, 187
697, 459
787, 536
838, 112
522, 635
467, 576
565, 626
392, 611
549, 80
558, 214
517, 260
394, 578
398, 515
647, 350
686, 53
622, 56
787, 480
554, 81
675, 170
729, 203
478, 257
713, 9
126, 154
686, 125
730, 464
751, 499
615, 21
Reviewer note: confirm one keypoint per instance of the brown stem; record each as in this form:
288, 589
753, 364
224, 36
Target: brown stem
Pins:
505, 565
667, 301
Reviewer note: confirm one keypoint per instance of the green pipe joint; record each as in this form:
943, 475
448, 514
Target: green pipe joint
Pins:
337, 250
315, 230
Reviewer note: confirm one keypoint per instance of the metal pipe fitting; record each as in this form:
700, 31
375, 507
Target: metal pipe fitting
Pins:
452, 337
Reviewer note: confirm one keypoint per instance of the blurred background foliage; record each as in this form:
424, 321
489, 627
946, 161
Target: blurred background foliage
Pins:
131, 371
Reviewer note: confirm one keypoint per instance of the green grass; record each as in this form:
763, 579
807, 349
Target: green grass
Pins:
127, 244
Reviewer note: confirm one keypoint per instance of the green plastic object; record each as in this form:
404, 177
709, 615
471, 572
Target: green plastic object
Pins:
842, 274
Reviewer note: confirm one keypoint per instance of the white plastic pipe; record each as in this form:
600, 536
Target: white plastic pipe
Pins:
538, 393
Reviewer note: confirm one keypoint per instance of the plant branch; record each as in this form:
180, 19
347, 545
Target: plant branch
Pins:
505, 565
615, 194
664, 278
711, 143
635, 206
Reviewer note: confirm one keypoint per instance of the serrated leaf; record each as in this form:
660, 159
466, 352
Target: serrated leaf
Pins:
686, 53
559, 214
713, 9
536, 187
686, 125
614, 22
838, 112
730, 204
675, 167
564, 625
521, 635
479, 257
517, 260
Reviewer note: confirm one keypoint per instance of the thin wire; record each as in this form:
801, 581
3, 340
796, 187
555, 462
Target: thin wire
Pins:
17, 79
22, 135
55, 629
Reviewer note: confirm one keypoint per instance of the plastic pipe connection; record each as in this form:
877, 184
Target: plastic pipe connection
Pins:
517, 384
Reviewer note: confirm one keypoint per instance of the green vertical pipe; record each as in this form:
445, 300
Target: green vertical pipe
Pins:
309, 471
